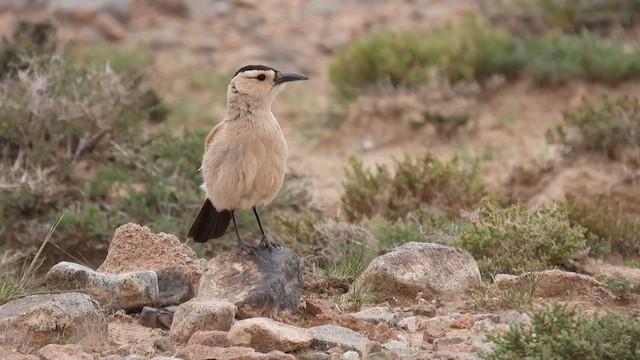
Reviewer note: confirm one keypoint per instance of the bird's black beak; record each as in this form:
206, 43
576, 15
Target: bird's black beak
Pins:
286, 77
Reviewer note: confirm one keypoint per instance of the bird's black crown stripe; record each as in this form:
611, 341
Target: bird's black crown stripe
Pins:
254, 67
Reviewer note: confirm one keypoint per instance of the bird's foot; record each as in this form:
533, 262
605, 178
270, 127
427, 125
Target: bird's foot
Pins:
265, 243
247, 249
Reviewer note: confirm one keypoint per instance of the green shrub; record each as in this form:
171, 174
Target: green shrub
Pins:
462, 51
560, 332
390, 235
559, 57
416, 186
516, 240
609, 229
608, 126
619, 286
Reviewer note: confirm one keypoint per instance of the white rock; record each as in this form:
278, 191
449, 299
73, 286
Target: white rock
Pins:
265, 335
377, 315
328, 336
426, 267
351, 355
132, 290
199, 314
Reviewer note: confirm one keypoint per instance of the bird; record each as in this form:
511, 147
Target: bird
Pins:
245, 155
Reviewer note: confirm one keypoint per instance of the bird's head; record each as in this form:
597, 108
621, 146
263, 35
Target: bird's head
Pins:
259, 84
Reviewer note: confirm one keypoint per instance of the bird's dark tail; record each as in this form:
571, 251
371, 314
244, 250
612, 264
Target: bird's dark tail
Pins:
210, 223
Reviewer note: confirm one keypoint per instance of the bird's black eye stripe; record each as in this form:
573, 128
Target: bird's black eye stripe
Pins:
261, 77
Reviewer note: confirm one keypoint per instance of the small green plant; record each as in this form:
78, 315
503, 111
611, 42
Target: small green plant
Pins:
516, 240
357, 296
15, 283
561, 332
519, 296
609, 229
354, 260
390, 235
507, 295
609, 127
469, 50
620, 287
446, 126
416, 186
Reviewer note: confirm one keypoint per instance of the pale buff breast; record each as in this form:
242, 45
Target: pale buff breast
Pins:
245, 163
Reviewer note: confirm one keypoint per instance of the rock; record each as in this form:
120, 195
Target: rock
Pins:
266, 335
381, 356
414, 267
199, 314
164, 345
515, 317
109, 27
559, 284
322, 307
429, 336
213, 338
328, 336
400, 348
483, 346
201, 352
63, 352
178, 8
156, 317
484, 325
446, 341
12, 355
38, 320
85, 10
411, 323
128, 291
350, 355
174, 286
257, 284
425, 309
377, 315
135, 248
313, 356
466, 321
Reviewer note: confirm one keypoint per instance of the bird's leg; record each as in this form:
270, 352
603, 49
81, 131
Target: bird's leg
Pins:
242, 246
264, 241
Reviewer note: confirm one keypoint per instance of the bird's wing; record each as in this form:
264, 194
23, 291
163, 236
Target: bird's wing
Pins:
212, 135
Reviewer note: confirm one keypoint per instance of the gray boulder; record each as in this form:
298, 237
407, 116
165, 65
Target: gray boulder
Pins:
259, 285
421, 267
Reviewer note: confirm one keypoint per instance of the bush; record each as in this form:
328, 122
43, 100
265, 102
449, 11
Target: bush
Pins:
559, 57
472, 50
420, 186
516, 240
608, 228
461, 51
610, 127
560, 332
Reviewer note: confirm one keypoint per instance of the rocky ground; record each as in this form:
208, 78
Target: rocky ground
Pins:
430, 304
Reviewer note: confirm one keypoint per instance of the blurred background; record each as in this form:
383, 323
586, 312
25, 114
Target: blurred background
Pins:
416, 111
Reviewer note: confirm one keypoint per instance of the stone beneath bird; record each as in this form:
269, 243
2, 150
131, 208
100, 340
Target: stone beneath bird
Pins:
245, 156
